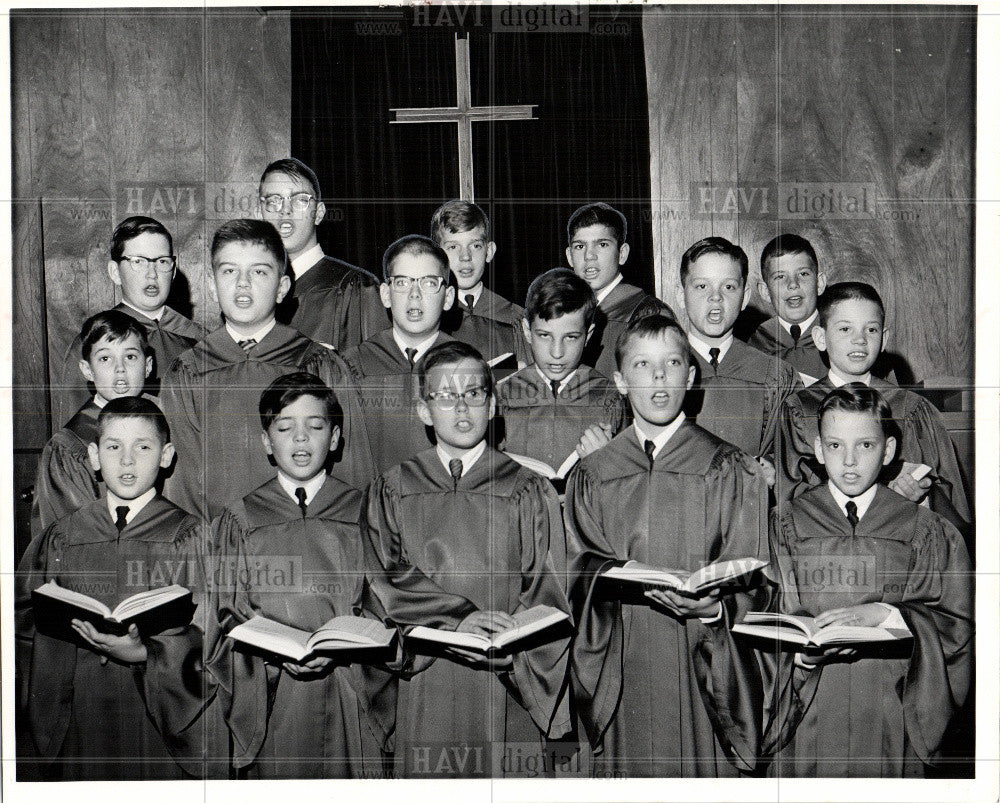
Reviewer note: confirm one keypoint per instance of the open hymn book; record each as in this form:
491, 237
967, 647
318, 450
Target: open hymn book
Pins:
339, 635
543, 468
694, 583
151, 611
529, 622
802, 630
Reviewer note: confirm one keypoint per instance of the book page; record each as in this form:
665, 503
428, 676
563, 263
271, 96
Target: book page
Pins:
55, 591
353, 630
147, 600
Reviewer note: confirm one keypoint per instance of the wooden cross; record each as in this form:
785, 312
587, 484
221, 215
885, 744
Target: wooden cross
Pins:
464, 114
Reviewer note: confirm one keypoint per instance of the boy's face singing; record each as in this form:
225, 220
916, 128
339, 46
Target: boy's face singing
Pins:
145, 289
596, 255
854, 449
295, 223
129, 454
416, 312
458, 423
655, 375
468, 254
300, 438
117, 367
853, 336
714, 294
249, 284
792, 285
557, 345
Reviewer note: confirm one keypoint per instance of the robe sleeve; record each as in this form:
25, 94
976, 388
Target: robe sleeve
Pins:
937, 605
64, 483
179, 398
71, 393
616, 410
539, 674
787, 384
797, 468
367, 316
926, 427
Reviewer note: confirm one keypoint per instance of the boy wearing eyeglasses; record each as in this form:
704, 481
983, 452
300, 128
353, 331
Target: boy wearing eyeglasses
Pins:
142, 266
331, 301
459, 538
417, 289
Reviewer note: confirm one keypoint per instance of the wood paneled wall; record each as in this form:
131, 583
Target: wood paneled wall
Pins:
874, 103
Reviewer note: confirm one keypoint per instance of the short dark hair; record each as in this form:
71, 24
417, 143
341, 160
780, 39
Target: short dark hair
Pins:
288, 389
255, 232
559, 292
654, 325
457, 216
291, 167
847, 291
857, 397
415, 245
132, 227
715, 245
598, 213
114, 325
450, 353
134, 407
786, 245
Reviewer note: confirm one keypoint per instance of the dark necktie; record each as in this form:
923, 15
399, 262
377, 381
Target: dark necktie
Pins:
247, 344
649, 447
470, 301
300, 494
852, 514
554, 384
796, 332
713, 354
411, 355
455, 469
122, 513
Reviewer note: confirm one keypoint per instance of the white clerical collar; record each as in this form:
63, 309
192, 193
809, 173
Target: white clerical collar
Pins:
153, 316
838, 381
468, 459
660, 440
259, 335
605, 291
134, 506
562, 382
476, 293
804, 327
863, 501
421, 347
307, 259
312, 486
703, 348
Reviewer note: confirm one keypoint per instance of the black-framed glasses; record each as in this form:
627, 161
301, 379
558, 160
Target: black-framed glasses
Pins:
299, 201
141, 264
427, 284
448, 399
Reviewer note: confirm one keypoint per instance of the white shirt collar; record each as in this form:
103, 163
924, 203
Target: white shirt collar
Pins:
134, 506
606, 290
100, 401
702, 347
805, 326
863, 501
154, 316
307, 259
312, 486
259, 335
468, 459
660, 440
838, 381
421, 347
476, 293
562, 382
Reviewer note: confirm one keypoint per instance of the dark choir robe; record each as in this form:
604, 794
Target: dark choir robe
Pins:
210, 398
116, 721
488, 327
546, 427
613, 315
284, 727
741, 401
922, 438
387, 384
167, 337
436, 551
884, 713
773, 339
658, 696
335, 303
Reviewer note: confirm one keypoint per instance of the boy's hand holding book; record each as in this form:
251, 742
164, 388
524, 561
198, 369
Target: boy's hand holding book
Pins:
127, 649
595, 437
486, 624
320, 666
912, 482
684, 606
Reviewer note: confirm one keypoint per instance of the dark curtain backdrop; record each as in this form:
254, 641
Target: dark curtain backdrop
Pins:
590, 140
